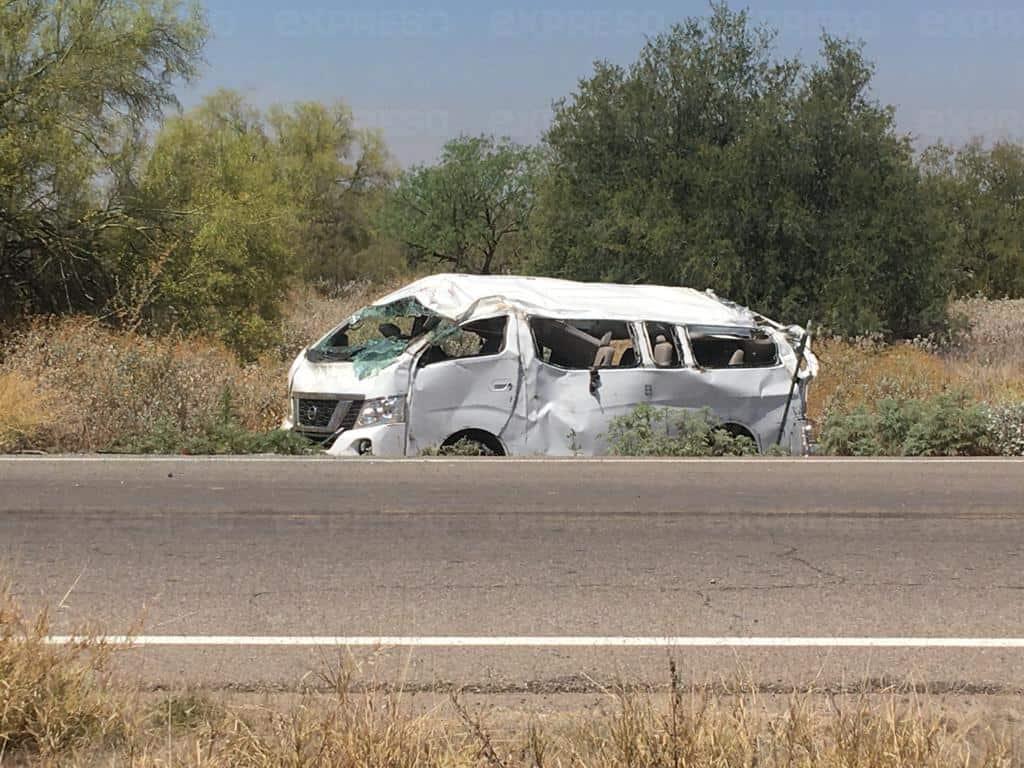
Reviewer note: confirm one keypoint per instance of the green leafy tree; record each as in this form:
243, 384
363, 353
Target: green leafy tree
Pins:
218, 251
712, 163
235, 204
471, 211
337, 175
78, 81
978, 194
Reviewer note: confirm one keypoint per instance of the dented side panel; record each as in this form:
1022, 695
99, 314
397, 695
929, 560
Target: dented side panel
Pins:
475, 393
566, 418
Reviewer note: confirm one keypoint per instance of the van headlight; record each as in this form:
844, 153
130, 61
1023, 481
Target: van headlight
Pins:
382, 410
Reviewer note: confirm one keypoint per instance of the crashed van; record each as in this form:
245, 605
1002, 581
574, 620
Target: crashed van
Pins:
538, 366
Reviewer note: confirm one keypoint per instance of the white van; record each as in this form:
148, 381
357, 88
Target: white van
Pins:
529, 365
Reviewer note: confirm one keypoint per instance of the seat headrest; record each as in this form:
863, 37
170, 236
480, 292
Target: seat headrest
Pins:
606, 339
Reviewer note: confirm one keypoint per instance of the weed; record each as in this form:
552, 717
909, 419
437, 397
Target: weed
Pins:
649, 431
462, 447
59, 706
219, 433
946, 425
23, 411
53, 699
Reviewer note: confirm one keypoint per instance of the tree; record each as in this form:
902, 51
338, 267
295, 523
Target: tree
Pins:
470, 211
217, 227
708, 162
337, 176
79, 79
978, 194
234, 204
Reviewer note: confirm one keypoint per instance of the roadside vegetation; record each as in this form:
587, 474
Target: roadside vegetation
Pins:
65, 706
157, 263
649, 431
72, 384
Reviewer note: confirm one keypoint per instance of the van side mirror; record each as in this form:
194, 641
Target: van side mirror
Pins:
595, 380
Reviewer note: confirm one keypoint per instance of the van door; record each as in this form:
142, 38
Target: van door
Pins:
748, 391
583, 374
469, 379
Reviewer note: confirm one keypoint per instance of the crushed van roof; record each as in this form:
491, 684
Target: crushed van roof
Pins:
458, 296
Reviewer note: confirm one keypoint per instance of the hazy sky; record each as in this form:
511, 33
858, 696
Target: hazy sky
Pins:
423, 73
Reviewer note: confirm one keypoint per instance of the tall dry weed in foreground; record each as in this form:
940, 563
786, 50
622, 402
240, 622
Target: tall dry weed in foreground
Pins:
54, 700
59, 706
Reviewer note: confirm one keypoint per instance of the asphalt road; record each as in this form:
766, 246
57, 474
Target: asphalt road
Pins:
511, 549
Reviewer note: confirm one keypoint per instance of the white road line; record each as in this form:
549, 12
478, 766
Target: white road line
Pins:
557, 642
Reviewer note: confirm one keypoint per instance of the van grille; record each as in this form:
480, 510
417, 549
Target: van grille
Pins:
326, 415
323, 417
315, 413
349, 419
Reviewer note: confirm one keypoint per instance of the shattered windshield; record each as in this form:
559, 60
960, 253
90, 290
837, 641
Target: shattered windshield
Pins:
374, 336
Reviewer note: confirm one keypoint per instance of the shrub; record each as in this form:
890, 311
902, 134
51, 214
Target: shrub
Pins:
220, 433
649, 431
863, 372
1006, 429
464, 446
947, 425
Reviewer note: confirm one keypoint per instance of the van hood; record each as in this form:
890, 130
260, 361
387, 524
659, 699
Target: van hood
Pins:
342, 378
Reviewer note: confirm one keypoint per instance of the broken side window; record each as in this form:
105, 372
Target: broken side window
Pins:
664, 345
479, 338
584, 344
728, 347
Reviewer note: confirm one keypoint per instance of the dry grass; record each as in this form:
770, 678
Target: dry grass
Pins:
23, 410
994, 332
855, 373
53, 701
112, 387
59, 706
985, 361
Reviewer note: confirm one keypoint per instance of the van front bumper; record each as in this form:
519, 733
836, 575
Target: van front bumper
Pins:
385, 440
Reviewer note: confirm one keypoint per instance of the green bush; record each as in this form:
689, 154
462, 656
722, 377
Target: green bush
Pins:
648, 431
219, 434
946, 425
464, 446
1006, 429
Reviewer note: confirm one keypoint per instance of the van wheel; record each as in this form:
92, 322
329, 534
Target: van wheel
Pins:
472, 442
